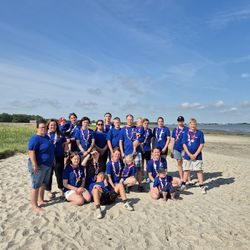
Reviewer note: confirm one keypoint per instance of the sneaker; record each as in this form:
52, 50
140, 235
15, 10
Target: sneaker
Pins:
203, 189
98, 213
183, 187
128, 206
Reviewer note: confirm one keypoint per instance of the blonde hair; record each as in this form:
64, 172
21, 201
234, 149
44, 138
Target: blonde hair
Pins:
192, 120
129, 158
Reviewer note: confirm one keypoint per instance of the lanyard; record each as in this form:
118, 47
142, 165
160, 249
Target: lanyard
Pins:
159, 138
132, 132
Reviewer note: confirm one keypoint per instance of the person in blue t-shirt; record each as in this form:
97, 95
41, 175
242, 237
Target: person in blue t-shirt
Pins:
101, 143
165, 183
107, 122
193, 143
114, 170
113, 135
101, 193
146, 155
41, 157
71, 131
128, 173
157, 162
85, 137
74, 181
58, 141
161, 137
127, 138
176, 144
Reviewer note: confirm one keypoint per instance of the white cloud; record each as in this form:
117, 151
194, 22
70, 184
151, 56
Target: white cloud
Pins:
244, 75
194, 105
219, 104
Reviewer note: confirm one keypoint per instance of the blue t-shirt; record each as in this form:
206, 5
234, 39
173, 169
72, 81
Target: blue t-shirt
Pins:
153, 166
128, 136
163, 183
100, 139
128, 171
115, 169
160, 135
177, 134
85, 137
107, 127
114, 136
147, 140
58, 142
44, 149
64, 128
75, 176
105, 189
193, 141
72, 130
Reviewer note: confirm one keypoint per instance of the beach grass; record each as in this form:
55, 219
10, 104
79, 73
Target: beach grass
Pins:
14, 138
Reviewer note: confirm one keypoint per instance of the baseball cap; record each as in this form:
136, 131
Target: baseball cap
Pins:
180, 119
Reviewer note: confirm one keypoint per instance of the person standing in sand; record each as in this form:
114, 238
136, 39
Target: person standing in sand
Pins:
58, 141
176, 144
193, 143
127, 138
161, 137
41, 157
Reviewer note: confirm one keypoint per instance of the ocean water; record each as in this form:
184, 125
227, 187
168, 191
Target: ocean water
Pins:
234, 128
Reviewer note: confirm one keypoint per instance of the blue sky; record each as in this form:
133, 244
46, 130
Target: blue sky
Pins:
147, 57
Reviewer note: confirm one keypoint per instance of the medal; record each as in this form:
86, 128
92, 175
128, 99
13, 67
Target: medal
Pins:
86, 140
132, 132
119, 168
78, 176
191, 140
155, 166
128, 167
55, 138
159, 138
146, 136
177, 135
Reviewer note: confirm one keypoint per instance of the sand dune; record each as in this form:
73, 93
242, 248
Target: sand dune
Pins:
218, 220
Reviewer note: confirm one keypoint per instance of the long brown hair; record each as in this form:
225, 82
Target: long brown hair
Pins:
57, 126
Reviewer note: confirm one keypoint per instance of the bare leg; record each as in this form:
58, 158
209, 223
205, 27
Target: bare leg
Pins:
179, 164
34, 197
154, 193
186, 174
200, 177
164, 194
41, 195
120, 189
139, 176
96, 196
86, 196
76, 199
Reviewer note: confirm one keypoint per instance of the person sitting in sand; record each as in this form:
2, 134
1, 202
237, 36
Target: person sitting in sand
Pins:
74, 180
91, 163
101, 193
193, 143
41, 157
157, 162
128, 173
113, 170
164, 183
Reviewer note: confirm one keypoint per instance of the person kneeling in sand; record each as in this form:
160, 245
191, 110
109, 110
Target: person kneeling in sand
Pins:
128, 173
101, 193
154, 165
164, 183
114, 169
74, 180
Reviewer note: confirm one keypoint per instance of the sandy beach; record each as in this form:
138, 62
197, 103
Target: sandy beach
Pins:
218, 220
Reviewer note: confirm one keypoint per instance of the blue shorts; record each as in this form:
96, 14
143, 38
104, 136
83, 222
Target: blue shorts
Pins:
178, 155
41, 177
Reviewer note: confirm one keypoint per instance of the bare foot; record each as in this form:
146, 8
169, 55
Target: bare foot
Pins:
40, 203
38, 209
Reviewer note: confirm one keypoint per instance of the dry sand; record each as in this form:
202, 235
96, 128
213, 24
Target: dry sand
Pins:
218, 220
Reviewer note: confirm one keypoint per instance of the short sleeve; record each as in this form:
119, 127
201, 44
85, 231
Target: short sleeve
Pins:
156, 182
33, 143
174, 133
109, 135
149, 167
184, 139
167, 132
66, 173
121, 136
202, 140
108, 168
77, 134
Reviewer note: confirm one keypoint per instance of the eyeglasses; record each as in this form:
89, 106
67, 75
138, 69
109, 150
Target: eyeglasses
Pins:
99, 124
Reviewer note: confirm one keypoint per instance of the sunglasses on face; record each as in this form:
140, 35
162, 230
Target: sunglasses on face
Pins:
100, 124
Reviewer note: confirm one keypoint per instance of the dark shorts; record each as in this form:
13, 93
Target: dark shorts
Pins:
108, 197
42, 177
146, 155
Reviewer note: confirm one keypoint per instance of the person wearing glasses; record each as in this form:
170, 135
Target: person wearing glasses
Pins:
41, 157
101, 143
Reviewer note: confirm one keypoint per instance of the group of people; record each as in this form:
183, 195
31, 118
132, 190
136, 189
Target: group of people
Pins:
103, 164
